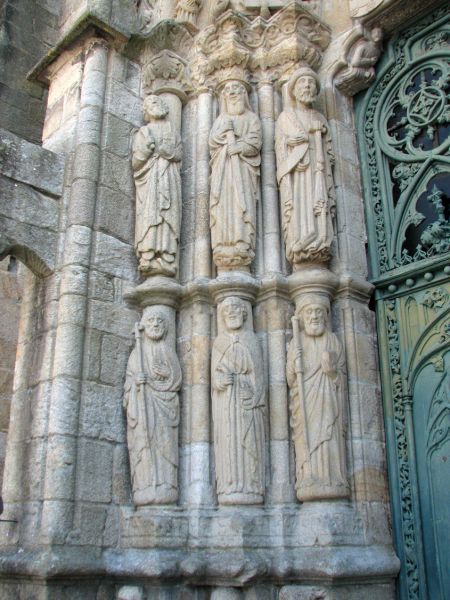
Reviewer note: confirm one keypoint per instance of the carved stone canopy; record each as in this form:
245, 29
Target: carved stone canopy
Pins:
263, 47
164, 55
167, 72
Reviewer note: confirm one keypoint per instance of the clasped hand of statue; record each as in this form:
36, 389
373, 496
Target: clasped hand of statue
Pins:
234, 148
151, 146
317, 126
159, 372
227, 378
328, 364
141, 379
295, 140
298, 361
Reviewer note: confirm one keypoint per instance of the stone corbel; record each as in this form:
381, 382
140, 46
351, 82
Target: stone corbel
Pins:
359, 52
155, 291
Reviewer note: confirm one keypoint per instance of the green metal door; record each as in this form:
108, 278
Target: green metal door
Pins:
404, 138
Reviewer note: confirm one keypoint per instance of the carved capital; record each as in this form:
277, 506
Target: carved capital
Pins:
312, 281
157, 290
164, 58
234, 283
354, 288
167, 72
263, 47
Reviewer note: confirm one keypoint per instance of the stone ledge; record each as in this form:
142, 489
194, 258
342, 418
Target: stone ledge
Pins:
237, 567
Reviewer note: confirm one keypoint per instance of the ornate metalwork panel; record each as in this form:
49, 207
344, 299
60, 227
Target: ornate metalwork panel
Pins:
404, 135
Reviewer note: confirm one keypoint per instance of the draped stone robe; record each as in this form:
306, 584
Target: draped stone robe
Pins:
234, 189
153, 416
307, 191
158, 197
238, 415
320, 442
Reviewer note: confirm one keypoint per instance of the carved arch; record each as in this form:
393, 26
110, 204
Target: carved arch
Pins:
434, 339
403, 124
27, 256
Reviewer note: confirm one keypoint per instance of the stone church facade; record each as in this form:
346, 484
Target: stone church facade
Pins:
195, 228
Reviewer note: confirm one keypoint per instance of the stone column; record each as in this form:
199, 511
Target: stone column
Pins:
69, 344
198, 430
202, 258
18, 430
272, 313
269, 186
197, 427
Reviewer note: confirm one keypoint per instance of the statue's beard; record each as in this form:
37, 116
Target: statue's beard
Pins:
315, 329
306, 97
236, 107
158, 113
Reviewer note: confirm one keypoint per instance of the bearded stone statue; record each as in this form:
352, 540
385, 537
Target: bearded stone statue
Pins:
151, 401
238, 407
316, 378
304, 162
235, 143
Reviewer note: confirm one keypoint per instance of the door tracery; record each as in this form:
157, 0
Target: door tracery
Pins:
404, 127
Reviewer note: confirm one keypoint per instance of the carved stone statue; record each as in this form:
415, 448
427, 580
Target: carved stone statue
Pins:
151, 401
235, 143
238, 407
146, 17
187, 10
316, 378
304, 163
156, 164
362, 58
